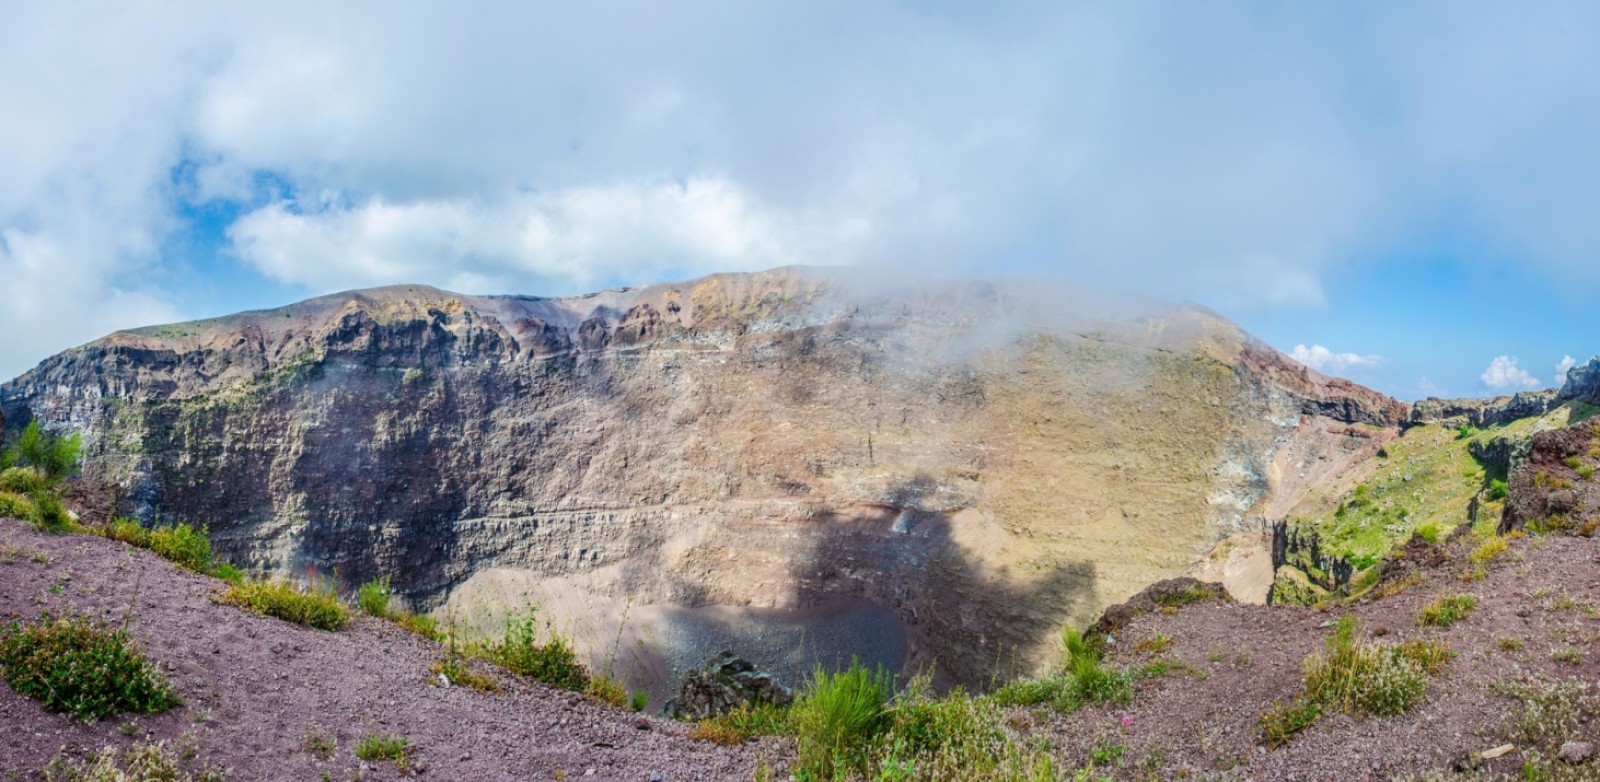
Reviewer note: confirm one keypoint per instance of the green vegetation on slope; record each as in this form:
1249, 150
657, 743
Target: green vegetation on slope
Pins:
1424, 483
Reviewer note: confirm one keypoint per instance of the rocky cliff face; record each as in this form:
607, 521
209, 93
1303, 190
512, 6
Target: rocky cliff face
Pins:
936, 473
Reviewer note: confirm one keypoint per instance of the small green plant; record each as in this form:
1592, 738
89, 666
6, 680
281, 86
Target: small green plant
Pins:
1488, 550
15, 506
317, 607
23, 480
639, 701
455, 670
1429, 532
228, 573
837, 719
1156, 644
1498, 489
553, 662
183, 545
72, 666
1586, 472
425, 626
1552, 709
1509, 643
373, 597
382, 746
49, 515
1183, 597
1281, 723
1448, 609
744, 723
604, 690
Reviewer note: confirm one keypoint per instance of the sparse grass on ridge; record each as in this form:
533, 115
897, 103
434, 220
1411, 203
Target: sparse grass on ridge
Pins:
316, 607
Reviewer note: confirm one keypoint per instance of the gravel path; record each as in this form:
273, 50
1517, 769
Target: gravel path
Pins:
256, 689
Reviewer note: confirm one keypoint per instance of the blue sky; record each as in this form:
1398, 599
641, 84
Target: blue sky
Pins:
1404, 192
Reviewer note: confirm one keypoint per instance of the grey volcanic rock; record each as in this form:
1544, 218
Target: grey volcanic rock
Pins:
723, 684
982, 460
1583, 382
1484, 413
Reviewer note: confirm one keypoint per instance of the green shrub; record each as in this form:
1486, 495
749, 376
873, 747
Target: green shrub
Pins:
228, 573
382, 746
23, 480
837, 719
49, 515
15, 506
1429, 532
1430, 656
553, 663
373, 597
127, 531
1498, 489
1358, 678
314, 607
72, 666
1091, 681
1448, 610
183, 545
639, 700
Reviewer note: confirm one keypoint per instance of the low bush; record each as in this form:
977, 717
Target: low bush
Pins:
49, 515
1447, 610
72, 666
1498, 489
15, 506
23, 480
54, 457
183, 545
837, 718
373, 597
425, 626
313, 607
639, 700
1355, 677
553, 662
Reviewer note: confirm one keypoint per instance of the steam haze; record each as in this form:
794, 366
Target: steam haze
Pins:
1358, 178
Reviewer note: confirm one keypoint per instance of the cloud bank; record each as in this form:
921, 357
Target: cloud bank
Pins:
1242, 155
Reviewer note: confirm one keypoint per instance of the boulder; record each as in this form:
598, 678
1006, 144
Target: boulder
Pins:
1576, 751
723, 684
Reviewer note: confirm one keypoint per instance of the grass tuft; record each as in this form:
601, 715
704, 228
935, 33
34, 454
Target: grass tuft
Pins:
72, 666
315, 607
382, 746
373, 597
1447, 610
837, 719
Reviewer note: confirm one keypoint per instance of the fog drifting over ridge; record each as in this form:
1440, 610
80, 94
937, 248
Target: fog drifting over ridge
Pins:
162, 159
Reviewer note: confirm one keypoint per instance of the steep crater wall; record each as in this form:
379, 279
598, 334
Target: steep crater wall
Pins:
981, 461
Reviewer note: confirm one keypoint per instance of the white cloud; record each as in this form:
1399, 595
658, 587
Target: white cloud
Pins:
1566, 363
1122, 144
1503, 374
569, 240
1324, 360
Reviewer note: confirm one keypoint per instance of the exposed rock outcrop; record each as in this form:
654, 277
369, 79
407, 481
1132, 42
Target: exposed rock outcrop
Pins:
1484, 413
1583, 382
723, 684
1170, 593
1554, 489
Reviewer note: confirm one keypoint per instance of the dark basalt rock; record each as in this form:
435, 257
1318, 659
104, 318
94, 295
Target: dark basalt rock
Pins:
723, 684
1172, 592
